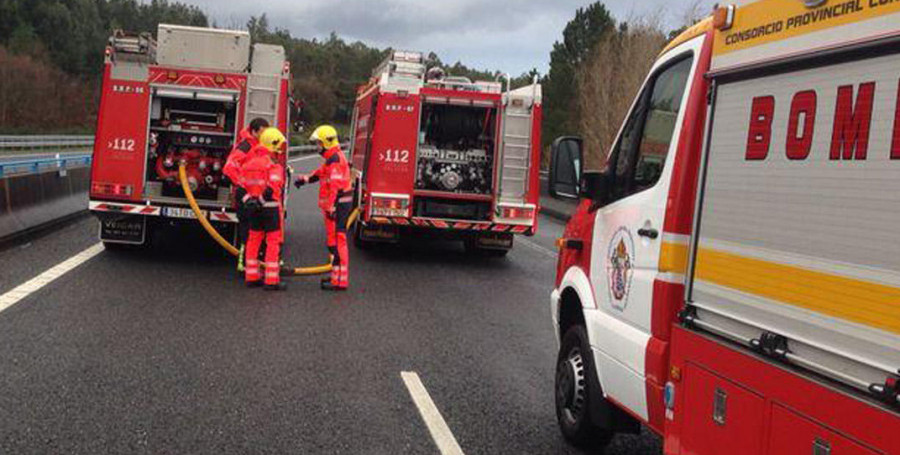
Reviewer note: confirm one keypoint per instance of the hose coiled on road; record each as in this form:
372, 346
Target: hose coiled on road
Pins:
316, 270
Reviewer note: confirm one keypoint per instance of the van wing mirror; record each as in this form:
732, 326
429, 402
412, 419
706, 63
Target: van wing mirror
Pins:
566, 163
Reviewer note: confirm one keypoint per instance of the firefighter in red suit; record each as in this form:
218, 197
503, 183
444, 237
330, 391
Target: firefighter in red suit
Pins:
336, 202
263, 178
247, 139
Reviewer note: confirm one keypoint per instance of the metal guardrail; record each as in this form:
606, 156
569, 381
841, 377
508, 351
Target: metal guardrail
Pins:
37, 142
60, 163
43, 142
296, 150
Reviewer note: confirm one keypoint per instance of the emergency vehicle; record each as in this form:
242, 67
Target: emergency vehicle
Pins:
445, 156
732, 278
182, 99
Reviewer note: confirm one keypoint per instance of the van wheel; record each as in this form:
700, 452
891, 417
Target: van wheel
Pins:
573, 392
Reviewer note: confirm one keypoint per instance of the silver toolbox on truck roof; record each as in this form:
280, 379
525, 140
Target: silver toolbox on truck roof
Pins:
203, 48
267, 59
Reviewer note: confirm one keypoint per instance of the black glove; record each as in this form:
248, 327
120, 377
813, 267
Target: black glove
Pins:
269, 194
299, 182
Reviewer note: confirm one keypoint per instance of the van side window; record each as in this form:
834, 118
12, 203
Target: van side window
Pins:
623, 160
659, 127
640, 154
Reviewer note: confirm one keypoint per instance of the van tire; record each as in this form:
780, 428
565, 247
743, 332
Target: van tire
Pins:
573, 392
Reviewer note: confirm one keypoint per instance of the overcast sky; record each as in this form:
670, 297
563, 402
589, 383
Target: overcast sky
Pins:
508, 35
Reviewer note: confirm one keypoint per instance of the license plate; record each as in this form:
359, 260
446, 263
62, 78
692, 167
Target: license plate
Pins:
123, 229
181, 212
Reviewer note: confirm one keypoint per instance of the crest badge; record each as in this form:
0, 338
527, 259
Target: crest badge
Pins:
620, 268
814, 3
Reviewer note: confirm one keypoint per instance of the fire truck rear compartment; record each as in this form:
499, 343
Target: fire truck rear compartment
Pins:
456, 149
198, 132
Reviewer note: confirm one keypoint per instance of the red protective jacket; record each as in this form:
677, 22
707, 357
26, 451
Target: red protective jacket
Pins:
245, 143
260, 173
334, 177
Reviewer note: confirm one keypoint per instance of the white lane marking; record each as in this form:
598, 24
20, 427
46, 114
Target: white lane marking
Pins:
436, 424
539, 248
35, 284
303, 158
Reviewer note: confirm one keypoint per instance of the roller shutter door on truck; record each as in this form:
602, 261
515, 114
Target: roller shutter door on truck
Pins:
797, 251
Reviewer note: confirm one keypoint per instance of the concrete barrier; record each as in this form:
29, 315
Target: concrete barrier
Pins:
31, 201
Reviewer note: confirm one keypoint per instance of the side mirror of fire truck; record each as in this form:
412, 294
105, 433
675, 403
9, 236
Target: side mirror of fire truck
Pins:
566, 161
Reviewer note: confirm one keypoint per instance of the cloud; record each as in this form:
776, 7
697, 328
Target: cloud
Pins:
507, 35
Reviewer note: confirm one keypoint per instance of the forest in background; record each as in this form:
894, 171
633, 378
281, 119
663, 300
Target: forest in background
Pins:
51, 55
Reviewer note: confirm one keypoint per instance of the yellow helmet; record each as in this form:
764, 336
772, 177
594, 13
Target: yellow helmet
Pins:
325, 135
272, 139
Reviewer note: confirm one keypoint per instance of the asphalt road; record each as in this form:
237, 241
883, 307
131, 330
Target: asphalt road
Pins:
167, 352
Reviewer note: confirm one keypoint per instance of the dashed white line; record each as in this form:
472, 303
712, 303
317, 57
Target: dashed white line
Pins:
35, 284
436, 424
540, 249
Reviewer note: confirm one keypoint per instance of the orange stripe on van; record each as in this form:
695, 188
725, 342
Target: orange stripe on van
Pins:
776, 20
871, 304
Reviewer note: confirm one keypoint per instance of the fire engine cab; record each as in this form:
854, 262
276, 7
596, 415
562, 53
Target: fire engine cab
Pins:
182, 100
445, 156
732, 278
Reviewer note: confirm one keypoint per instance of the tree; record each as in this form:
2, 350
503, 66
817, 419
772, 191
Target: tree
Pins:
579, 37
609, 79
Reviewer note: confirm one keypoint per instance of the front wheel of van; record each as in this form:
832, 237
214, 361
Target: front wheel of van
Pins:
573, 392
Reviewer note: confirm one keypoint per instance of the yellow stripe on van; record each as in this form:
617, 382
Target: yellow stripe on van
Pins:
673, 258
767, 21
863, 302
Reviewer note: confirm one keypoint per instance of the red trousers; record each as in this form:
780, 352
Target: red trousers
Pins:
265, 225
336, 229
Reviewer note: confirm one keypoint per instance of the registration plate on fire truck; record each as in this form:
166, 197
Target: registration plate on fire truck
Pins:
182, 212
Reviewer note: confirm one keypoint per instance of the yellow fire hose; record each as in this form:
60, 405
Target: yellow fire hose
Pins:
182, 175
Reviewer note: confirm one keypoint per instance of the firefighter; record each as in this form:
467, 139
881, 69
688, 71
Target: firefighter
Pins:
263, 179
248, 138
335, 200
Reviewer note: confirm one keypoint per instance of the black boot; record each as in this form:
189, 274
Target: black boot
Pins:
327, 286
276, 287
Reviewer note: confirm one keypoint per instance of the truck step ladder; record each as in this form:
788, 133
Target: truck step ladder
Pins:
515, 145
262, 93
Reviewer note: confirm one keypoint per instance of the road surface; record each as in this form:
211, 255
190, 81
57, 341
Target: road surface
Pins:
167, 351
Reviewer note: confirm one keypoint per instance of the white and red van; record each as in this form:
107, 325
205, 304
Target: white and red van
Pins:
731, 280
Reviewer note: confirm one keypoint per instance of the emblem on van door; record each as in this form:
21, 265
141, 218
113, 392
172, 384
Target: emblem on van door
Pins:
814, 3
620, 268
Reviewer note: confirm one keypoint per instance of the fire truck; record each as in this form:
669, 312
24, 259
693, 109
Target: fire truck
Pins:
179, 100
445, 157
731, 279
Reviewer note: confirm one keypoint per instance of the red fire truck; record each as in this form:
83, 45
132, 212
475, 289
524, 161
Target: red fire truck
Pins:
732, 278
445, 156
181, 100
